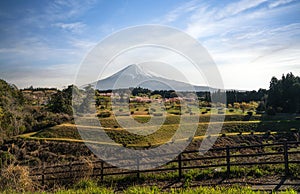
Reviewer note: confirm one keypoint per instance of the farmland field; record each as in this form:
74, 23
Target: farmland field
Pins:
233, 125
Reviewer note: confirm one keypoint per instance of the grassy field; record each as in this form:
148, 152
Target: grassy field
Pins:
89, 187
233, 125
156, 190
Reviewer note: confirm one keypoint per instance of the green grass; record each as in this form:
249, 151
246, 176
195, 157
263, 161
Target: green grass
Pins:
256, 171
234, 123
59, 131
165, 132
175, 119
155, 190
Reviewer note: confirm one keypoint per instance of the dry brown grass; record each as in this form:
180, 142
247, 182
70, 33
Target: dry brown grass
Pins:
86, 168
16, 178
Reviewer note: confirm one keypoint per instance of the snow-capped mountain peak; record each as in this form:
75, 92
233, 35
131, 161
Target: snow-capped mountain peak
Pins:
136, 76
134, 71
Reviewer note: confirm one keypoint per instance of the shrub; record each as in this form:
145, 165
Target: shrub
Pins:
271, 111
258, 173
6, 158
175, 112
268, 133
16, 178
295, 170
250, 113
279, 109
104, 114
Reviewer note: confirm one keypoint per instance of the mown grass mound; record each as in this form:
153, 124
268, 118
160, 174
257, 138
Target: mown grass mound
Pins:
59, 131
164, 133
175, 119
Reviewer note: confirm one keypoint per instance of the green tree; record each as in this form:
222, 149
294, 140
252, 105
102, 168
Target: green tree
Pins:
283, 94
61, 102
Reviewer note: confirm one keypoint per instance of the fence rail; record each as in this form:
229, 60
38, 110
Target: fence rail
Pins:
184, 161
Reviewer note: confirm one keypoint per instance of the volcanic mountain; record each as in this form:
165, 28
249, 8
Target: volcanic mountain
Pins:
136, 76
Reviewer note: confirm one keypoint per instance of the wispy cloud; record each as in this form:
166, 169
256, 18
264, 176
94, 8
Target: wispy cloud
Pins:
279, 2
241, 35
182, 9
207, 21
237, 7
76, 27
44, 45
65, 9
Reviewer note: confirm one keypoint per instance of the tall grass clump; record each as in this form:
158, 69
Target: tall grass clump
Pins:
16, 178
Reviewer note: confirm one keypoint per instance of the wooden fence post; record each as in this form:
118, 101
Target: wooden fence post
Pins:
138, 167
43, 174
228, 161
179, 166
286, 158
70, 172
102, 170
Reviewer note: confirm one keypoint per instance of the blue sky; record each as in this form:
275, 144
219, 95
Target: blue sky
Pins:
42, 43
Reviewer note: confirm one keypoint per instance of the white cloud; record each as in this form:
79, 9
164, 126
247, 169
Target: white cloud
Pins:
207, 22
66, 9
279, 2
238, 7
82, 44
249, 39
76, 27
174, 14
